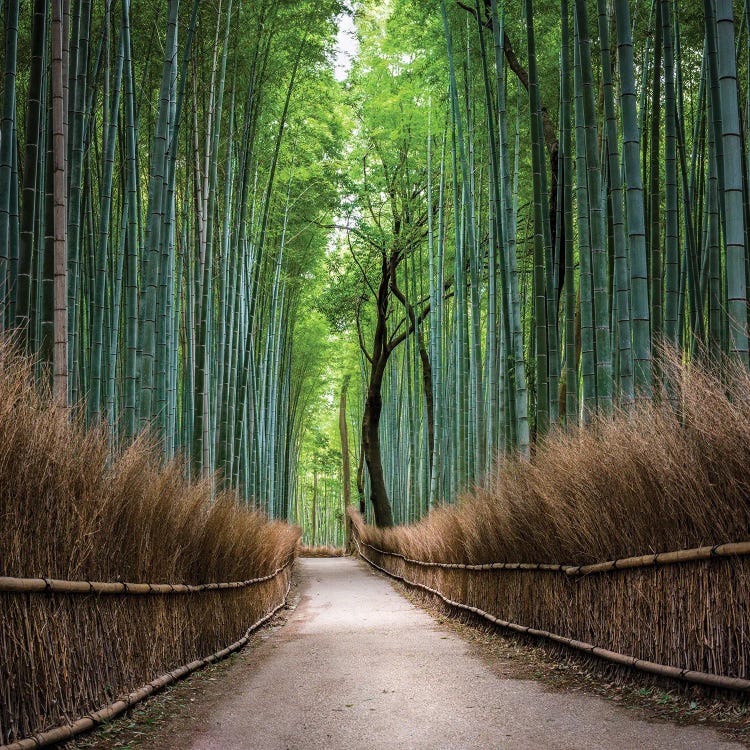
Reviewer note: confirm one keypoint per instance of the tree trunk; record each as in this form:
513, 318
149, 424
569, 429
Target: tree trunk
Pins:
371, 447
430, 404
361, 480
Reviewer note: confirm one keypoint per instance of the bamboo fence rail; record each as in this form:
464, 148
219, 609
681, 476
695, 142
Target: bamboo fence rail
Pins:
58, 586
730, 549
658, 613
66, 732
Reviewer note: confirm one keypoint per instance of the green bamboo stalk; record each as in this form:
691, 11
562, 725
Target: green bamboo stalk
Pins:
623, 334
33, 176
7, 140
571, 357
154, 229
733, 188
510, 214
671, 267
133, 241
588, 341
656, 269
596, 218
541, 247
203, 417
103, 253
77, 139
634, 202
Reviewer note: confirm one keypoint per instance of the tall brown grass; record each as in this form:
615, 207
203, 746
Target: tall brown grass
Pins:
70, 508
671, 474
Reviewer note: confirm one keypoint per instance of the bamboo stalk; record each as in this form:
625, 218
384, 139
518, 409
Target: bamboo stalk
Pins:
60, 210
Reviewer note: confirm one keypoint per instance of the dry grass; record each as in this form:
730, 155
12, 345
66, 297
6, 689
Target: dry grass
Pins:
666, 476
70, 509
322, 550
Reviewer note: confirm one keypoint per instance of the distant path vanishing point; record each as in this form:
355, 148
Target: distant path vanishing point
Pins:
358, 667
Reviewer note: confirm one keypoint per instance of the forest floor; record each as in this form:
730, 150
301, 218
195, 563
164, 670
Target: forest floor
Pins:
358, 665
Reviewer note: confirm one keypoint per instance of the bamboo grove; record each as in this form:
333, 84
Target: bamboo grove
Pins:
321, 287
157, 189
563, 193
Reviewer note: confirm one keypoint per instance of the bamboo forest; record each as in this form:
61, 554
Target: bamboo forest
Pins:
296, 297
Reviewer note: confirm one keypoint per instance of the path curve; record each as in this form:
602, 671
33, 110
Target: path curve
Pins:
357, 667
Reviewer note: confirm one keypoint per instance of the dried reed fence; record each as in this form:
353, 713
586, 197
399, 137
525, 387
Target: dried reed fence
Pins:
573, 614
91, 650
113, 569
526, 550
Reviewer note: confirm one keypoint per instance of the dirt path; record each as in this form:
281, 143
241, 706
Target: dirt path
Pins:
359, 667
